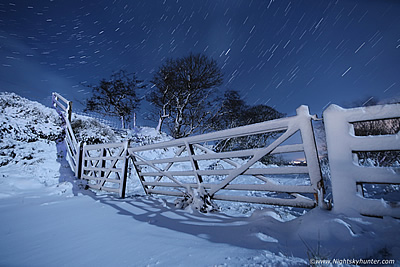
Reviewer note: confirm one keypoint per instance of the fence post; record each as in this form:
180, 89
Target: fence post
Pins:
53, 98
311, 154
79, 159
69, 111
124, 169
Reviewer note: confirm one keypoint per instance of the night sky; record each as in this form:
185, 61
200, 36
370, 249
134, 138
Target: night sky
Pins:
276, 52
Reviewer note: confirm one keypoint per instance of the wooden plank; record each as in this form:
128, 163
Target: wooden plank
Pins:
124, 170
141, 178
70, 144
104, 158
106, 145
304, 189
60, 97
79, 161
257, 128
195, 166
108, 180
370, 113
71, 134
60, 105
310, 149
269, 201
252, 171
225, 155
304, 203
374, 175
167, 193
101, 169
375, 143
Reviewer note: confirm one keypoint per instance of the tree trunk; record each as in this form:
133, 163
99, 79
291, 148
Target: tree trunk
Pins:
122, 122
178, 124
160, 122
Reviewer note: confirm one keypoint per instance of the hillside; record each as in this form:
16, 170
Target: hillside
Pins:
48, 219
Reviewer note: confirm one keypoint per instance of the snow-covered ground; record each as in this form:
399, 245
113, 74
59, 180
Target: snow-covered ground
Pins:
48, 219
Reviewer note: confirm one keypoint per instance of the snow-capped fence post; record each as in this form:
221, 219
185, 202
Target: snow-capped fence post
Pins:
124, 173
69, 111
64, 104
78, 168
311, 152
347, 175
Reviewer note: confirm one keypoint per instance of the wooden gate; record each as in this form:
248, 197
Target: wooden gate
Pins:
105, 167
238, 175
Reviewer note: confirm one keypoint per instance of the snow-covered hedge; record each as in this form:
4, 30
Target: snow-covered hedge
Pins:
91, 131
23, 121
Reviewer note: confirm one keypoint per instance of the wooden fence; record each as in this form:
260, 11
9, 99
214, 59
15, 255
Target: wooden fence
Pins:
103, 166
349, 177
193, 165
64, 108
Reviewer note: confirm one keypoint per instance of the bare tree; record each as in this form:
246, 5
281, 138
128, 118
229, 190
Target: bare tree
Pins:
184, 93
116, 96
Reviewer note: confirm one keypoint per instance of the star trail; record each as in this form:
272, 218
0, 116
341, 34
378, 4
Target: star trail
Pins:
276, 52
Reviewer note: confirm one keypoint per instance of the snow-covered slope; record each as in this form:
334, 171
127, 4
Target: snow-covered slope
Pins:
28, 152
48, 219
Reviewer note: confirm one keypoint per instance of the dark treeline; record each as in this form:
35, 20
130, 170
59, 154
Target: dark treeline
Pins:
185, 97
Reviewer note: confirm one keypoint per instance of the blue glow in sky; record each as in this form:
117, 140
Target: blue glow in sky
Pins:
276, 52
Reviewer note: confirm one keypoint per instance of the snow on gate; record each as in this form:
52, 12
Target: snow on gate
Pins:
241, 176
104, 166
191, 168
348, 176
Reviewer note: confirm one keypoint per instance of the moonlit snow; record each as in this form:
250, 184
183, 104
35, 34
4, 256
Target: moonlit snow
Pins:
49, 219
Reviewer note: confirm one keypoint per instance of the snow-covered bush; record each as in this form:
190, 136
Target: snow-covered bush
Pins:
29, 138
146, 136
91, 131
28, 121
23, 121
